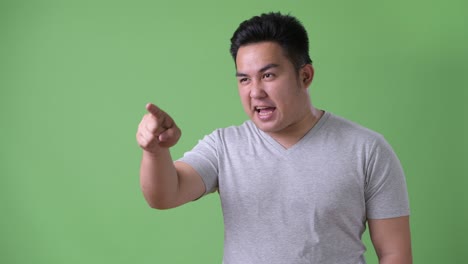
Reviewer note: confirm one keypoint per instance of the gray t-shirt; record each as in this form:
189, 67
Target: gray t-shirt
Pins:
305, 204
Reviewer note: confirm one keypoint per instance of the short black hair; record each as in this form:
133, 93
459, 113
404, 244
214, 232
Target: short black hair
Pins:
285, 30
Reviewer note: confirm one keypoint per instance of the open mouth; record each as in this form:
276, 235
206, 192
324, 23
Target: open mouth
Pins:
264, 111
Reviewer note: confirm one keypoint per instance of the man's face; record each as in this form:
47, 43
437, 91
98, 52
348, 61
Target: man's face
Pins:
271, 89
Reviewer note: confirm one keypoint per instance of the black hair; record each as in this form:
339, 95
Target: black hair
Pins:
285, 30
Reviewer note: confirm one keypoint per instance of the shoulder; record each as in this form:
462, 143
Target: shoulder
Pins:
236, 132
347, 129
346, 134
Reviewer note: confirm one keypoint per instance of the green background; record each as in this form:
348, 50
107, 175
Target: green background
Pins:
75, 77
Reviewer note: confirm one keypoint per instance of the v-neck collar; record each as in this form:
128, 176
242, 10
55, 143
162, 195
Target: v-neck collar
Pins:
287, 151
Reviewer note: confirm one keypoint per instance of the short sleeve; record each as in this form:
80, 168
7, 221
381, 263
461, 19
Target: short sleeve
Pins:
386, 193
204, 159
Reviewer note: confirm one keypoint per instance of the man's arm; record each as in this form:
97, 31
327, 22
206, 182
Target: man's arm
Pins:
164, 184
391, 239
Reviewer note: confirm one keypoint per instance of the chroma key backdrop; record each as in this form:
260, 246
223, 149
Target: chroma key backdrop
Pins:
75, 77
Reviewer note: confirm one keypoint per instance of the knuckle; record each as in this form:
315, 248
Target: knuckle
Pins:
152, 127
141, 142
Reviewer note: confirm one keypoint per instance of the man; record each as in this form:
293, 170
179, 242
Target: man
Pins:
297, 184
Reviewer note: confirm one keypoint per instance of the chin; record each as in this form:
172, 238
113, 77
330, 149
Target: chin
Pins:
267, 128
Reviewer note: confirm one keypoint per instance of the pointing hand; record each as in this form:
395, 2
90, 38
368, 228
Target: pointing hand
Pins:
157, 130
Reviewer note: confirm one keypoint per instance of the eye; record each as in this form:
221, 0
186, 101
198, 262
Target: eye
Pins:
268, 75
243, 80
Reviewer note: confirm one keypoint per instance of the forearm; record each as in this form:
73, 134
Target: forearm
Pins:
392, 240
396, 259
158, 179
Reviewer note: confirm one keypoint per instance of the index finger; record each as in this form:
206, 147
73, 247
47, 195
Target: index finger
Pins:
154, 110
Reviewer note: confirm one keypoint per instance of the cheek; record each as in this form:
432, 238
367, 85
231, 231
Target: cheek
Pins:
286, 95
280, 92
245, 98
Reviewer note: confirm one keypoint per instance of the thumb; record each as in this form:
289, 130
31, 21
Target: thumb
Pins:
169, 137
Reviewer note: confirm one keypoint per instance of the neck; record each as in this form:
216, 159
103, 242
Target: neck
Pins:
289, 136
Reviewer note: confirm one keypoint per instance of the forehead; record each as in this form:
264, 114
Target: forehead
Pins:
254, 56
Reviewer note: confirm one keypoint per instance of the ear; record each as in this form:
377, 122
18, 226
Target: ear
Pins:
307, 75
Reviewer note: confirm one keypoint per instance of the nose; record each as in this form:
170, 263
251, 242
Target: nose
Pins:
257, 90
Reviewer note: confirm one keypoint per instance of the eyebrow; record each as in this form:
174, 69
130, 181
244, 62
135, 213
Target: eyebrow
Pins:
263, 69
